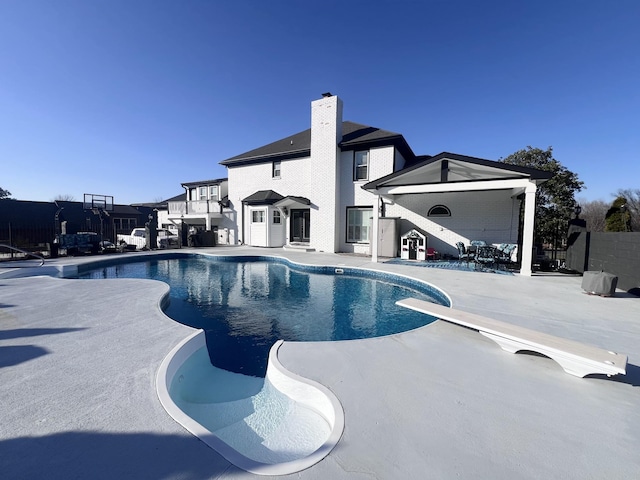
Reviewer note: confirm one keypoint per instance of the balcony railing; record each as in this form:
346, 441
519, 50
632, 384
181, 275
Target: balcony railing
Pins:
195, 206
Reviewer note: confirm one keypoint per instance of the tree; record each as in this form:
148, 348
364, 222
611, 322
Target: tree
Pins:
594, 213
555, 198
4, 193
633, 204
64, 198
618, 218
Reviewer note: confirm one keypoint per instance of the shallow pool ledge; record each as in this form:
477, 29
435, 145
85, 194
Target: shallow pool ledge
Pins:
303, 391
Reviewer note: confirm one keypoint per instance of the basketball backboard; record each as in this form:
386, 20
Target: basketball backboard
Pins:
101, 202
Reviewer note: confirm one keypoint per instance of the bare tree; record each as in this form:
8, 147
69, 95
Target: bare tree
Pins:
632, 195
65, 198
594, 212
4, 193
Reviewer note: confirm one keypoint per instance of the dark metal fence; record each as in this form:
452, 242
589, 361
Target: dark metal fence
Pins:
32, 238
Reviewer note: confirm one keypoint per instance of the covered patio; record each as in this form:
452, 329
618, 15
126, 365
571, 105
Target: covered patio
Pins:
455, 198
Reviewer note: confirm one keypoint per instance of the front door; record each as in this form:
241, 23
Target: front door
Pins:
300, 225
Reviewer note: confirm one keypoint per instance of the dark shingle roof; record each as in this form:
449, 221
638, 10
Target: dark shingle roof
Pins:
263, 197
216, 181
354, 135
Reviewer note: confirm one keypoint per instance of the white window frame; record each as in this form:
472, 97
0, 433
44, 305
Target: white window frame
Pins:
360, 165
359, 223
277, 217
213, 193
257, 216
202, 193
276, 169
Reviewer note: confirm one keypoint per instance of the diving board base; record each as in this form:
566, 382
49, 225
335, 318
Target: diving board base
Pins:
575, 358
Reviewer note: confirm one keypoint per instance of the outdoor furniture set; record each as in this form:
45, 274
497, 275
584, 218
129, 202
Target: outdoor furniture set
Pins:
486, 256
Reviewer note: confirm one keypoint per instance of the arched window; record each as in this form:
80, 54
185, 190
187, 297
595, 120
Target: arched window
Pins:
439, 211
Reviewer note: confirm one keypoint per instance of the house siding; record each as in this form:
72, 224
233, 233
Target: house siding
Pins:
295, 179
351, 194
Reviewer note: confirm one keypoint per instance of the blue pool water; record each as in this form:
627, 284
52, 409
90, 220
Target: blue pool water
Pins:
246, 305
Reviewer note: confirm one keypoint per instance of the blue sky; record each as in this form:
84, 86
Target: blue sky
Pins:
131, 98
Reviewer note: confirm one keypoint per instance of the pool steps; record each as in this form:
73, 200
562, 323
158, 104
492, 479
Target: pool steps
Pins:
238, 430
574, 357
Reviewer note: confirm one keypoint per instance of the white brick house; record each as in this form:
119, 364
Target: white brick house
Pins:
326, 188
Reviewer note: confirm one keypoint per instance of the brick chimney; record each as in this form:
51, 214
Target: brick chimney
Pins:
326, 134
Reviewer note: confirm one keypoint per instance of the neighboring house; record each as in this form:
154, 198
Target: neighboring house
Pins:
328, 187
203, 206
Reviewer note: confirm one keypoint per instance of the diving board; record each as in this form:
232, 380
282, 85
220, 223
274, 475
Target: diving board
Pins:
574, 357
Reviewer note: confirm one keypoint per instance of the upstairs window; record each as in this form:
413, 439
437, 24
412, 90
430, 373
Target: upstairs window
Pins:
361, 166
213, 193
202, 191
439, 211
275, 171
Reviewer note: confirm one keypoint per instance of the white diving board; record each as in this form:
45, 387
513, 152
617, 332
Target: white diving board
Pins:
574, 357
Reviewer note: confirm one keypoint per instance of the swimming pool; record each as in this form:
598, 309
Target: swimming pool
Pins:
244, 305
225, 384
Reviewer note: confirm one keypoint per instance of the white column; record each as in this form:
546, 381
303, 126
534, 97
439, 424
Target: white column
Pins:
527, 231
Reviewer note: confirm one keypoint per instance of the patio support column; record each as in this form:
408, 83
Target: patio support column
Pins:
527, 231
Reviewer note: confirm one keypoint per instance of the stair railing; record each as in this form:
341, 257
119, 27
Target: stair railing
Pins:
25, 252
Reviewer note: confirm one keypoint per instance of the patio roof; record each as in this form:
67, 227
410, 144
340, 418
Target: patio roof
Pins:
451, 172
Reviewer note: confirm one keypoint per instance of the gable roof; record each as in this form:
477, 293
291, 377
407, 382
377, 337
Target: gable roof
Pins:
354, 136
458, 168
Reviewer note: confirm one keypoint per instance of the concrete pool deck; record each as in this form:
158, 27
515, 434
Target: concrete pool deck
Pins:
78, 361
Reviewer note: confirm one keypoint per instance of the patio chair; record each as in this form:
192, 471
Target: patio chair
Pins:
431, 253
486, 256
504, 253
462, 253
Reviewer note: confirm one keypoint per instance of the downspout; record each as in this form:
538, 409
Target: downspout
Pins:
242, 223
375, 229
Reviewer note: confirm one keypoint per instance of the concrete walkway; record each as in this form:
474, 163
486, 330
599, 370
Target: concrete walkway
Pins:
78, 361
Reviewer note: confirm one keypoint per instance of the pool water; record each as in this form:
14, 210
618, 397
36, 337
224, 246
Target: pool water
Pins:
244, 307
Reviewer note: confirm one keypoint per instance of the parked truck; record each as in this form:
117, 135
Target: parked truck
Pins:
137, 240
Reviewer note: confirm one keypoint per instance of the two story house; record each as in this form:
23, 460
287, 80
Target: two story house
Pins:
305, 190
203, 206
337, 186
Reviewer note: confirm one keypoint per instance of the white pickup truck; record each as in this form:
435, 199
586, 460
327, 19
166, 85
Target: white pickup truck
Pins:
137, 240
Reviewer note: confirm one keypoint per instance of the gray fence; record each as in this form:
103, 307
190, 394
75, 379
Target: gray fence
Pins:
613, 252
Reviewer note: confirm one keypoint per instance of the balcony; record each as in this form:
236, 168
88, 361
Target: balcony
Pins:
195, 207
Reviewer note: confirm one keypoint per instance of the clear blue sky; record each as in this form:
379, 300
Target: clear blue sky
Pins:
131, 98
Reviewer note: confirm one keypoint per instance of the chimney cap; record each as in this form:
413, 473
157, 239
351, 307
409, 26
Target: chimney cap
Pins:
327, 94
